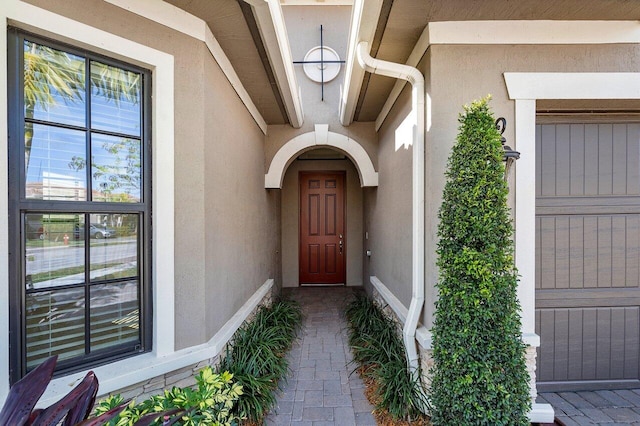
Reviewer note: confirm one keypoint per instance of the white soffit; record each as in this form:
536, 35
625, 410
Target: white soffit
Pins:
364, 20
179, 20
273, 31
514, 32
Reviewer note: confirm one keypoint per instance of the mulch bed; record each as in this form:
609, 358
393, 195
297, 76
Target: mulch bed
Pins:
383, 418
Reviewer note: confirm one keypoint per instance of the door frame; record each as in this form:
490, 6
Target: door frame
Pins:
344, 219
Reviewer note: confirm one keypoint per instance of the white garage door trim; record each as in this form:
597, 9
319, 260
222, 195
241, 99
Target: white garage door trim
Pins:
525, 89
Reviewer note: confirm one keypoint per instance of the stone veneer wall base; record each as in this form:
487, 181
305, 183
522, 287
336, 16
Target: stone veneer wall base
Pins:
182, 377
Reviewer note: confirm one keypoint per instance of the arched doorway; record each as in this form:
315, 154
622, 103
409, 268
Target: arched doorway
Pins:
320, 166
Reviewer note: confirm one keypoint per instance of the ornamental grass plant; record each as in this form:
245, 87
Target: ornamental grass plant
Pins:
378, 349
256, 357
480, 375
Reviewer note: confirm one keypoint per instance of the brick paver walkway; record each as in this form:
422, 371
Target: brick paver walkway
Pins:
605, 407
321, 389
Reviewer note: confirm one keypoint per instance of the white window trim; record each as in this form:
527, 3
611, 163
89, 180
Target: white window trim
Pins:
34, 19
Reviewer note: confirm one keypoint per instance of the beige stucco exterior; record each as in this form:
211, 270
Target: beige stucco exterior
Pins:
233, 236
455, 75
460, 74
223, 215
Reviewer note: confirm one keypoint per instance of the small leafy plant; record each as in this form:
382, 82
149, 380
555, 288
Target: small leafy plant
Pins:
480, 375
256, 356
211, 403
377, 347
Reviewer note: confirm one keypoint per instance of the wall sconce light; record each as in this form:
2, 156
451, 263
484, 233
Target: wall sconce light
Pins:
510, 155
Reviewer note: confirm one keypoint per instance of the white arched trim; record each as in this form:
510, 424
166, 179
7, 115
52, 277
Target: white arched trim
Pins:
320, 138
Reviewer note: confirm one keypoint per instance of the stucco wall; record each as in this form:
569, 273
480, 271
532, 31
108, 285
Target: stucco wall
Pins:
460, 74
388, 210
291, 216
241, 226
454, 75
223, 215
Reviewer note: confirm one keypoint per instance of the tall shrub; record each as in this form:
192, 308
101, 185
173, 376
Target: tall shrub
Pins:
479, 376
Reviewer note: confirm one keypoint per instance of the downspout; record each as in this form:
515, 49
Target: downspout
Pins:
413, 76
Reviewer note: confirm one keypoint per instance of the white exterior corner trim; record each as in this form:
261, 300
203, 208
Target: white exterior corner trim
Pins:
161, 64
179, 20
525, 89
134, 370
541, 413
321, 137
588, 85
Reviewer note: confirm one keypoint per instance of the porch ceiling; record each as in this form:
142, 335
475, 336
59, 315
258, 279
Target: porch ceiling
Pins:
232, 27
400, 25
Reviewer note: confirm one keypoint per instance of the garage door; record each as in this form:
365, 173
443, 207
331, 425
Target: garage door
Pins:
587, 255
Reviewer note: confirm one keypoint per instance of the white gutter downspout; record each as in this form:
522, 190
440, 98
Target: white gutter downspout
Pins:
413, 76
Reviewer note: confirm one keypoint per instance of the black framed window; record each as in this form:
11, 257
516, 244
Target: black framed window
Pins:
79, 206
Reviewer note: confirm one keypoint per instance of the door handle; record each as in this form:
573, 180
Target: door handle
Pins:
341, 245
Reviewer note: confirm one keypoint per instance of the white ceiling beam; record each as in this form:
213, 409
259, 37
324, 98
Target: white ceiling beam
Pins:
364, 20
270, 21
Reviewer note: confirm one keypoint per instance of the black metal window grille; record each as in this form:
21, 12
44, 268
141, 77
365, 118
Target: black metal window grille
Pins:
79, 206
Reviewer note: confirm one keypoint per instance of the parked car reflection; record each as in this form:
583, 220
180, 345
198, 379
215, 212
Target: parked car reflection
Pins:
96, 231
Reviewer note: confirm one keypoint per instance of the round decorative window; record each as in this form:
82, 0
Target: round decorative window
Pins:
319, 70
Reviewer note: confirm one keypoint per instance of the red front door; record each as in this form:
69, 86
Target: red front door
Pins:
322, 228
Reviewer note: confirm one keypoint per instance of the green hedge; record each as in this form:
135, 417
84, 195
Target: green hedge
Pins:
480, 375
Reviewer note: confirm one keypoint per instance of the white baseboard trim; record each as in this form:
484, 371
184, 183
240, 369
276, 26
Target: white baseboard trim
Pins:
423, 336
121, 374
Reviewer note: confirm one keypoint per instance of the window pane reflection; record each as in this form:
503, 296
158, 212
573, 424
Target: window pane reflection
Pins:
55, 163
55, 325
116, 169
114, 249
53, 85
115, 100
115, 314
54, 255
